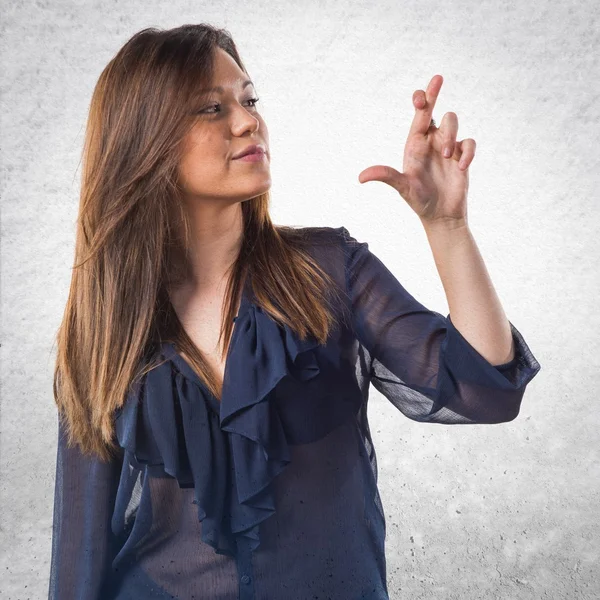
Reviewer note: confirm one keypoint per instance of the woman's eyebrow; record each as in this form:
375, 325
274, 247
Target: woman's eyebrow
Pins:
219, 89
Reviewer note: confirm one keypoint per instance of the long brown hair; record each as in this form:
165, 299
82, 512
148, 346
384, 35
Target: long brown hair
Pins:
133, 232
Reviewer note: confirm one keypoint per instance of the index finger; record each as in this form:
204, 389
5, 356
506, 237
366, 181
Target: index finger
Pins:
422, 118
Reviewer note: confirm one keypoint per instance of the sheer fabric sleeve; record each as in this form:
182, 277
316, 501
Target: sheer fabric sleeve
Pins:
82, 541
419, 360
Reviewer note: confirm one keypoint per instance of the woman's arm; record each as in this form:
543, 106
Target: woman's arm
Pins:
420, 361
82, 540
472, 300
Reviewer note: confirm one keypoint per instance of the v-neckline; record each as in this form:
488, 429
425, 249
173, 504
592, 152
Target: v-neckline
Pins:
185, 367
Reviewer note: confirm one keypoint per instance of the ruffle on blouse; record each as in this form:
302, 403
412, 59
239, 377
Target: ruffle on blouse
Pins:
179, 425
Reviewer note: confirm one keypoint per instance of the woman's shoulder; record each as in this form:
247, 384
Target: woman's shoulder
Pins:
315, 234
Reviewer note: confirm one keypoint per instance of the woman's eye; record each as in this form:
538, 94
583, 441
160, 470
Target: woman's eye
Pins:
253, 102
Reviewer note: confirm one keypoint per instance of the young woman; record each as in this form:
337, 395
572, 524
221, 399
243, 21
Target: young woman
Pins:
213, 369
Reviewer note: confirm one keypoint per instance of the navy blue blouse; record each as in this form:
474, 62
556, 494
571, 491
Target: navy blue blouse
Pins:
272, 492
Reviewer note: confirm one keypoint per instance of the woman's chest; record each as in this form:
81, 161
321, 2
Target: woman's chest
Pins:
201, 319
320, 391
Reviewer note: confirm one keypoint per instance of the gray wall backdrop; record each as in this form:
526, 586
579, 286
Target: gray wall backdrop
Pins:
473, 512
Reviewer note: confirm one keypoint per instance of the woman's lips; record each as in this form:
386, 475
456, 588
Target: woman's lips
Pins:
253, 157
251, 148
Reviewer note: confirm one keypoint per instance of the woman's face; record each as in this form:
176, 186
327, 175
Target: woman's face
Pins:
226, 123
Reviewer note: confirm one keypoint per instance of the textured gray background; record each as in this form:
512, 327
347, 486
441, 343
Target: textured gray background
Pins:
473, 512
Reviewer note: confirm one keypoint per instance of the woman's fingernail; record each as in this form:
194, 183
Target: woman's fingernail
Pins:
447, 152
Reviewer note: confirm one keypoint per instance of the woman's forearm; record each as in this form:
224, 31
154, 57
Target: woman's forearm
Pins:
474, 306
